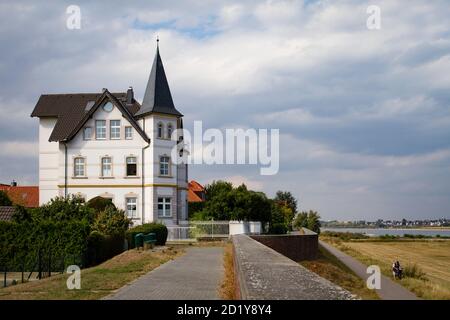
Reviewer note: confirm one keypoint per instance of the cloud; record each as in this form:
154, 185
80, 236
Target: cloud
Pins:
364, 115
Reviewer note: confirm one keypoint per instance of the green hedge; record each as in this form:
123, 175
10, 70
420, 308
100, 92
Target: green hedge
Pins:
102, 247
159, 229
21, 243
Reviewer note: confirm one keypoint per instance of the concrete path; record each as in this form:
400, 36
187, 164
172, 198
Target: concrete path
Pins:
389, 289
194, 276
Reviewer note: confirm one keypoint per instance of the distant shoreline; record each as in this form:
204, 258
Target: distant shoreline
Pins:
391, 228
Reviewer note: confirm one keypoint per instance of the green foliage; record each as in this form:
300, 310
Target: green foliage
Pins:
309, 220
102, 247
21, 214
277, 223
286, 198
22, 242
111, 221
194, 207
100, 204
61, 209
227, 203
301, 220
278, 228
344, 236
62, 229
314, 221
4, 199
217, 187
159, 229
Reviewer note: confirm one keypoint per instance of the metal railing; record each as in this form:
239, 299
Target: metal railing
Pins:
198, 230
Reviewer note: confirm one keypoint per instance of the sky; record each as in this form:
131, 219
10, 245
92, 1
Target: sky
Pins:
364, 115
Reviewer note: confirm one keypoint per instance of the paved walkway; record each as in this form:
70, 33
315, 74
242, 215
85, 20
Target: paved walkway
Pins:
194, 276
389, 289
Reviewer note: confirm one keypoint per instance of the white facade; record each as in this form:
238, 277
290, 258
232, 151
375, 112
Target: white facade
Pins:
101, 168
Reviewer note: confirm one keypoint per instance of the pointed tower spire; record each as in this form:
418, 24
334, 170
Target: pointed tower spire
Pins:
157, 97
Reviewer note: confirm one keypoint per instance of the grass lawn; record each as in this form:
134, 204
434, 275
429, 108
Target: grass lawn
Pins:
432, 257
96, 282
330, 268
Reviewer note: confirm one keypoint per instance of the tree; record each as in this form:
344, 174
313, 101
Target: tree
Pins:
217, 187
277, 222
4, 199
313, 221
287, 199
223, 202
301, 220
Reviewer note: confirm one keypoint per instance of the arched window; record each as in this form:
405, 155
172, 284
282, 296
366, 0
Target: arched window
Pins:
169, 131
160, 130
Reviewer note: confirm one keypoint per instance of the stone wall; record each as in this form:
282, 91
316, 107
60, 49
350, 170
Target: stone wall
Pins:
261, 273
296, 246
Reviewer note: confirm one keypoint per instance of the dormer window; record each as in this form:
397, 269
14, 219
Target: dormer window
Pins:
160, 130
169, 131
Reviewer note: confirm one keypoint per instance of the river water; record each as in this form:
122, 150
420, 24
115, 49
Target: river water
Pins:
392, 232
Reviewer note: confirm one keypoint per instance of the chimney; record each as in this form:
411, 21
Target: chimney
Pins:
14, 183
130, 96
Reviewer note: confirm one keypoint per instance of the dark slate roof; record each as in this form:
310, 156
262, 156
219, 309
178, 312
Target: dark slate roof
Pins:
157, 97
70, 109
6, 213
106, 95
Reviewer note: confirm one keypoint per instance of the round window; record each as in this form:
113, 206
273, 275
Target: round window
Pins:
108, 107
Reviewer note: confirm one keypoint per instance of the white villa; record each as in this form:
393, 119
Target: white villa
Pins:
109, 145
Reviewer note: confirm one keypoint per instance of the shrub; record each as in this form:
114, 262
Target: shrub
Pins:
278, 228
413, 271
102, 247
159, 229
111, 222
100, 204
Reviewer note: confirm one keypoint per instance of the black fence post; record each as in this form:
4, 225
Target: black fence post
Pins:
50, 263
23, 268
39, 265
4, 276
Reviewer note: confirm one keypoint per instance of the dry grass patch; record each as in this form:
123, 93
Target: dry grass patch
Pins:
228, 289
426, 263
330, 268
96, 282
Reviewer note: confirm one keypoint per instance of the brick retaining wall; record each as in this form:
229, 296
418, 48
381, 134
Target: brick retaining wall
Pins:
297, 247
